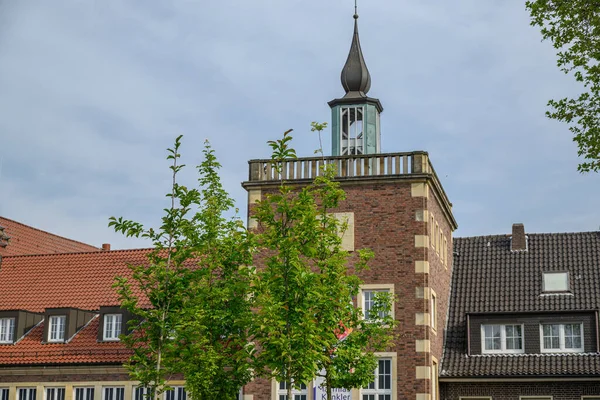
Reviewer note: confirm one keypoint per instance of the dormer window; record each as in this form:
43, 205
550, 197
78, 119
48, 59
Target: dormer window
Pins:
502, 338
57, 328
562, 338
112, 326
556, 281
7, 330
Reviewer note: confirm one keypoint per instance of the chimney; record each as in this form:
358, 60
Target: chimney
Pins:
518, 240
106, 247
4, 238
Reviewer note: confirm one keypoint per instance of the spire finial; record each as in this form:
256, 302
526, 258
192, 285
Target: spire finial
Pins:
355, 75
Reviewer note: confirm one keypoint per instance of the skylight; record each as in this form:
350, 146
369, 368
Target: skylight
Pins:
556, 281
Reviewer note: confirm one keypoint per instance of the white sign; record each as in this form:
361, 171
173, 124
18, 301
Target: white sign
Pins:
320, 392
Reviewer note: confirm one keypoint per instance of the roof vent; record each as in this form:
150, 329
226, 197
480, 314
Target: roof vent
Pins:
106, 247
518, 241
4, 238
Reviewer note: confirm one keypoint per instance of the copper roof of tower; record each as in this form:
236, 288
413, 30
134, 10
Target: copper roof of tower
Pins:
355, 77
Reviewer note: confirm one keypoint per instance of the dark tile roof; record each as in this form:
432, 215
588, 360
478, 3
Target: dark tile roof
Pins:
25, 239
489, 278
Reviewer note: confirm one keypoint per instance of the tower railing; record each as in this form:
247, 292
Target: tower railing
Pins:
351, 166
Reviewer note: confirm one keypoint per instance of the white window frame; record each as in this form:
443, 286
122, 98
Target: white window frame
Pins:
475, 398
535, 397
297, 394
561, 339
143, 391
375, 287
503, 349
55, 389
566, 273
433, 310
112, 334
4, 393
114, 395
355, 139
435, 386
55, 321
7, 330
87, 394
28, 391
375, 390
178, 393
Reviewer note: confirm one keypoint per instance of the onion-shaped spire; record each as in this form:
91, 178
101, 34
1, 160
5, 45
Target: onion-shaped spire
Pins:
355, 75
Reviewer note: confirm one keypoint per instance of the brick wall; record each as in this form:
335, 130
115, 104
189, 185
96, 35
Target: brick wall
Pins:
387, 218
513, 390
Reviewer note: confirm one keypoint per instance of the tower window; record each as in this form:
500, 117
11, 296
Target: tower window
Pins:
370, 301
381, 387
352, 135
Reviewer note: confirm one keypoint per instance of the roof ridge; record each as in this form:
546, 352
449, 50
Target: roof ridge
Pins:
70, 253
507, 235
48, 233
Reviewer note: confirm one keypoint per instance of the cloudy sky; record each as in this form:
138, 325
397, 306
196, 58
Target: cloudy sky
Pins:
93, 91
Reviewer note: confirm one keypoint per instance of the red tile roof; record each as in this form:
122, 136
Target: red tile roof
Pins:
28, 240
82, 349
79, 280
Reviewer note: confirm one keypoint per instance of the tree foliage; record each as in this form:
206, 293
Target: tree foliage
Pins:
195, 303
306, 288
573, 27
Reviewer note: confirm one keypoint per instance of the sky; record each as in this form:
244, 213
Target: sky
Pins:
93, 92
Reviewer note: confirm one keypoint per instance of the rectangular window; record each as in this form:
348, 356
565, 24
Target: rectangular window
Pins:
113, 393
445, 251
535, 398
562, 338
26, 393
369, 301
84, 393
7, 330
142, 393
502, 338
56, 332
178, 393
556, 281
433, 310
297, 394
112, 326
3, 393
55, 393
434, 380
351, 133
381, 387
474, 398
432, 232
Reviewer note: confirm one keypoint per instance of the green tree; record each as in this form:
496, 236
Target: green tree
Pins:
573, 27
193, 299
305, 290
350, 362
